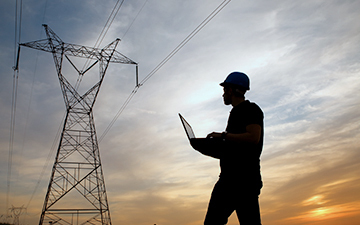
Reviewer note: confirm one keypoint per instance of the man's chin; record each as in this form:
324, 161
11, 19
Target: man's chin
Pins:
227, 103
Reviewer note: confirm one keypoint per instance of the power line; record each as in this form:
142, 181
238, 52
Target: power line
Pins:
122, 108
52, 149
186, 40
16, 68
18, 9
101, 37
135, 18
164, 61
12, 134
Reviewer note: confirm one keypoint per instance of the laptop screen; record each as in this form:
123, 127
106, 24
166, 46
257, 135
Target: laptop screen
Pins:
189, 131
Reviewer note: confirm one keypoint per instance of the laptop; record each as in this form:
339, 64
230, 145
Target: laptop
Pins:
207, 146
188, 129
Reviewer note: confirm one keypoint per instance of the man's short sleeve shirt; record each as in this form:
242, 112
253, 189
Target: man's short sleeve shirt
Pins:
243, 160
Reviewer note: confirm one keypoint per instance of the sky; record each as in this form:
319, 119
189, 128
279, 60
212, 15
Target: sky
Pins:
303, 61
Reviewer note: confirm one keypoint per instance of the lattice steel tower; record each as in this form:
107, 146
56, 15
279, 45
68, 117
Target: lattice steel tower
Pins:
76, 193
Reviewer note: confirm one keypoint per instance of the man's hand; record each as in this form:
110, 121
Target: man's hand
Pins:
214, 135
252, 135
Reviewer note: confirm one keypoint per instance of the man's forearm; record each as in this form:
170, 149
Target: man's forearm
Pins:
252, 135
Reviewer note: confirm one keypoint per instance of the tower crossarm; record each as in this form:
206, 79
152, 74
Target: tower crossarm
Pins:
42, 45
106, 54
79, 51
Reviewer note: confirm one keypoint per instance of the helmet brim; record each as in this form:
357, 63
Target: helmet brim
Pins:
226, 84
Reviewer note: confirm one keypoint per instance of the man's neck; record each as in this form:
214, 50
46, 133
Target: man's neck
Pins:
236, 101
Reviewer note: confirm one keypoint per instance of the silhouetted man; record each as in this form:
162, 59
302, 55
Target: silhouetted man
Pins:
239, 149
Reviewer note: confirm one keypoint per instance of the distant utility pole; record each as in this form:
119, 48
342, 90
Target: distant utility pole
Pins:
16, 212
76, 192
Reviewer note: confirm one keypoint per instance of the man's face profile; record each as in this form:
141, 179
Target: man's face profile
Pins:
227, 96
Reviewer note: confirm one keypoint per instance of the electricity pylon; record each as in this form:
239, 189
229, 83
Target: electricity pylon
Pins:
76, 192
16, 212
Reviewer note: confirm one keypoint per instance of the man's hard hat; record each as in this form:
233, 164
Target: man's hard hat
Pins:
237, 79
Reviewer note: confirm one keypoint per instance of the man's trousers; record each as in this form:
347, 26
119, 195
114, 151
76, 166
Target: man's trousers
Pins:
228, 197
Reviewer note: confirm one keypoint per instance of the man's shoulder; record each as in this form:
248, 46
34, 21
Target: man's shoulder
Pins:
248, 109
248, 105
254, 106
